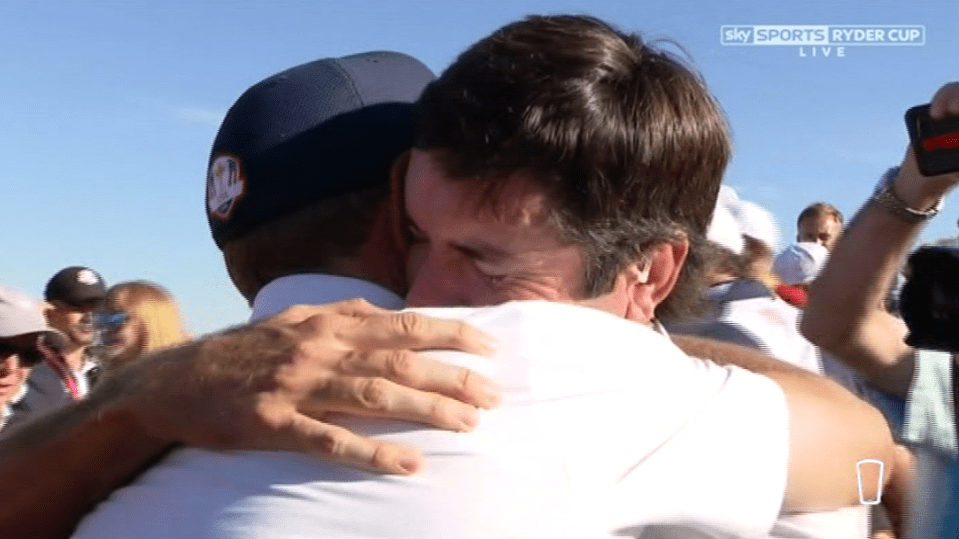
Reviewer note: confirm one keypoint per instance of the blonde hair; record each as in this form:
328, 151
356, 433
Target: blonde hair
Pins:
153, 310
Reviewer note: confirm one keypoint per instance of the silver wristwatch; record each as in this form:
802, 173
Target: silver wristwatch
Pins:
886, 197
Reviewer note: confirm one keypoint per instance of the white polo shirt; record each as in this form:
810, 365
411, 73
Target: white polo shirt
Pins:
605, 429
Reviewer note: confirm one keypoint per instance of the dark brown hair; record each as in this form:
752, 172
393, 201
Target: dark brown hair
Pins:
625, 138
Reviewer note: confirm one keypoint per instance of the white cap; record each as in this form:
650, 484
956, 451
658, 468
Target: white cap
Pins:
724, 230
757, 223
20, 314
800, 263
727, 197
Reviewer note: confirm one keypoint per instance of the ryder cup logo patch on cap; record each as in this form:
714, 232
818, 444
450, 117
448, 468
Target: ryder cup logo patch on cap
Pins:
87, 277
224, 184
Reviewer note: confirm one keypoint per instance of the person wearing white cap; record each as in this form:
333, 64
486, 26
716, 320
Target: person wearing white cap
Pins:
23, 334
800, 263
761, 236
797, 266
746, 312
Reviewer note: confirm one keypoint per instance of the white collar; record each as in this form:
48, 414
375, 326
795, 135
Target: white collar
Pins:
318, 289
6, 411
20, 394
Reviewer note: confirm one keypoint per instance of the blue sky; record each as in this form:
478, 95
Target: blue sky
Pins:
108, 111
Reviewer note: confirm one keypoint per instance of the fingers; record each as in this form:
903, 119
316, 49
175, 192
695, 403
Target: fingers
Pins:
410, 369
339, 445
414, 331
379, 397
371, 327
351, 308
946, 102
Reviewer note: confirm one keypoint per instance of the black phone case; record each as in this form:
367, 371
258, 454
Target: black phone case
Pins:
935, 143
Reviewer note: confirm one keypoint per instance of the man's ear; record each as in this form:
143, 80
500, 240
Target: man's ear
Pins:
652, 278
47, 309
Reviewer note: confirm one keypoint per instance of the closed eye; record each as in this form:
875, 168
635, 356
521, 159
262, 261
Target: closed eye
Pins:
414, 234
489, 276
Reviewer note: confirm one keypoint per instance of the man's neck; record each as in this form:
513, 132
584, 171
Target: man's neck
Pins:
318, 288
74, 357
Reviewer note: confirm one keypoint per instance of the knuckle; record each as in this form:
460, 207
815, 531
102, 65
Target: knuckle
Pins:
351, 361
411, 324
374, 394
382, 456
321, 324
334, 443
294, 312
402, 364
437, 407
357, 303
462, 334
443, 411
463, 379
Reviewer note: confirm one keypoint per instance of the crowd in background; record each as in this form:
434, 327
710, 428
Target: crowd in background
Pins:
55, 350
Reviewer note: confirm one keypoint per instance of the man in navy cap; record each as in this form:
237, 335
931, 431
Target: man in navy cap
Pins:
74, 294
272, 385
299, 168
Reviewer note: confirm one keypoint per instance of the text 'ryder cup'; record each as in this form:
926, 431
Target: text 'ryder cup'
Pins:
760, 35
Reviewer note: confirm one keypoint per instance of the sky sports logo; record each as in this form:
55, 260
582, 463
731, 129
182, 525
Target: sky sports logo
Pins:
823, 40
824, 35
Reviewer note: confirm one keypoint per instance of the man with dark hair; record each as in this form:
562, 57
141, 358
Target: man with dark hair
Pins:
820, 223
494, 234
594, 142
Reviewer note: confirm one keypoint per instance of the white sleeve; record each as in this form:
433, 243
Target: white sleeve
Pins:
726, 467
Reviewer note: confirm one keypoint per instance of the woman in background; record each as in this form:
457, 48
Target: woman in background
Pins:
139, 317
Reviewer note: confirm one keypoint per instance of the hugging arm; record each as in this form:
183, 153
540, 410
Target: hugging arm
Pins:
263, 386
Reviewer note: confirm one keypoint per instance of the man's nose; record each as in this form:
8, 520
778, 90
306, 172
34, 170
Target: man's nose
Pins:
435, 283
8, 365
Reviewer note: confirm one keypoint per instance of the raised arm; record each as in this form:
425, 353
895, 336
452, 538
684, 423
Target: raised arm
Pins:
264, 386
844, 314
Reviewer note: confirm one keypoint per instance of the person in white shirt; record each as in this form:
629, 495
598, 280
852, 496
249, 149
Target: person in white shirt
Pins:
703, 465
269, 385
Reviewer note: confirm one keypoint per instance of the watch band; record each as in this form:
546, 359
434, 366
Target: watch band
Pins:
886, 197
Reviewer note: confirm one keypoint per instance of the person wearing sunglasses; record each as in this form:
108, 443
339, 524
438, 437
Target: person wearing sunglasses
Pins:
138, 317
25, 339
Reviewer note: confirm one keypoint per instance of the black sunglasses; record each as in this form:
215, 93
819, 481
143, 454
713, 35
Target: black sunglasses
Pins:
29, 355
110, 320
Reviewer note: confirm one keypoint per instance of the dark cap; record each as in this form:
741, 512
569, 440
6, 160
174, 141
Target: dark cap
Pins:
315, 131
76, 285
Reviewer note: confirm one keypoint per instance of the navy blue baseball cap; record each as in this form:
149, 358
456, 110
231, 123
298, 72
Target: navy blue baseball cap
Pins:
76, 285
312, 132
